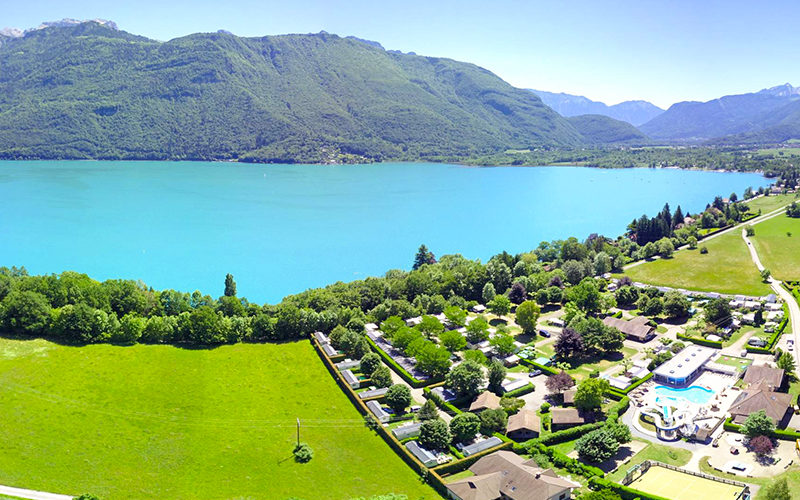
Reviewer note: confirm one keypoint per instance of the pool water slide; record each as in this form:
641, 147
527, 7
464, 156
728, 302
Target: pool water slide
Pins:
668, 422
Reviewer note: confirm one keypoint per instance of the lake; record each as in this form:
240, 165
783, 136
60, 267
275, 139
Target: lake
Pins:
281, 229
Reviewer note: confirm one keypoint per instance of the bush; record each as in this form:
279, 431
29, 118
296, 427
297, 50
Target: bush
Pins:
545, 407
703, 250
597, 446
303, 453
464, 427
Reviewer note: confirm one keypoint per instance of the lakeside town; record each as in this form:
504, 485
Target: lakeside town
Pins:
698, 390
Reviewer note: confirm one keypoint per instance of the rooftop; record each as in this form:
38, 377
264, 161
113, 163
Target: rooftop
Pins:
686, 362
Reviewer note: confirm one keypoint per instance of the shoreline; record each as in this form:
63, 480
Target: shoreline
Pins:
454, 163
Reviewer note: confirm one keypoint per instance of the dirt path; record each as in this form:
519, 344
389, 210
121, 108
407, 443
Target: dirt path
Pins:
32, 494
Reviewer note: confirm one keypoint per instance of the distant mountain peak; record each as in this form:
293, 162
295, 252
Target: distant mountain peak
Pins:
568, 105
368, 42
18, 33
785, 90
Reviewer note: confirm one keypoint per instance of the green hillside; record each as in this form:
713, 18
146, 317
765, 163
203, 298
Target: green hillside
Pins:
599, 129
89, 91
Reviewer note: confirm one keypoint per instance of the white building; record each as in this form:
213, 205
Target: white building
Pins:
685, 366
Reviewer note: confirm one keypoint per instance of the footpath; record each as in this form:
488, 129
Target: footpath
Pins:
32, 494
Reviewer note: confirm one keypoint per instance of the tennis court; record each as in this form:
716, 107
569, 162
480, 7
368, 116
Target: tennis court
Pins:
681, 486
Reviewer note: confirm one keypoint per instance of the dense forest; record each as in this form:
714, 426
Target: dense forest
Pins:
90, 91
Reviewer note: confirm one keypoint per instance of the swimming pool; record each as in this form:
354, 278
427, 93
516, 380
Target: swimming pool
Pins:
694, 394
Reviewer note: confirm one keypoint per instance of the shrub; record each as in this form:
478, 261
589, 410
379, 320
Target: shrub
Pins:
464, 427
597, 446
761, 445
758, 424
493, 421
381, 377
303, 453
369, 362
434, 435
704, 249
545, 407
398, 398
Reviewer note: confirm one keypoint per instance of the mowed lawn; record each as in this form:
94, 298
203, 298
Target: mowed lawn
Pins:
165, 422
779, 252
769, 203
726, 268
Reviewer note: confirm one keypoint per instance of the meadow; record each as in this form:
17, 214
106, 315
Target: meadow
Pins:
726, 268
165, 422
779, 252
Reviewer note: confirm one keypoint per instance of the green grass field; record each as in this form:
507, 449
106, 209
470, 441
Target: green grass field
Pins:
726, 268
165, 422
792, 476
659, 452
680, 486
778, 252
769, 203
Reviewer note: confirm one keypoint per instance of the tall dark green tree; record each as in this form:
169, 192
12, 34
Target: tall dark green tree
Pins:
424, 256
230, 286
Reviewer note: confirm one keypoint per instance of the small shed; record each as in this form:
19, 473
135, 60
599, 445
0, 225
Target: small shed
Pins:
347, 364
351, 379
329, 350
321, 337
377, 410
407, 431
373, 393
426, 457
481, 445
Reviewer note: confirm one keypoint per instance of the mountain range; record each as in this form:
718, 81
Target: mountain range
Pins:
633, 112
768, 116
89, 90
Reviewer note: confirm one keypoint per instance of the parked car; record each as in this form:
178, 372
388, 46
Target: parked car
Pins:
534, 373
743, 354
757, 342
544, 333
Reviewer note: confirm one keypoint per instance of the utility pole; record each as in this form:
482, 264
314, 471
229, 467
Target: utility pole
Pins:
298, 432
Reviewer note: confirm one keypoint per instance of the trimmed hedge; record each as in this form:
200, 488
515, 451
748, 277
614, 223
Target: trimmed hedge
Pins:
545, 369
521, 391
439, 402
566, 434
409, 379
433, 479
599, 483
773, 339
782, 434
465, 463
716, 344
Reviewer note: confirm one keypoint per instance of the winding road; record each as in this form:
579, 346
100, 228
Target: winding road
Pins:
794, 309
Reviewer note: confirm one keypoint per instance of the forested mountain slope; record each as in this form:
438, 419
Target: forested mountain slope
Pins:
90, 91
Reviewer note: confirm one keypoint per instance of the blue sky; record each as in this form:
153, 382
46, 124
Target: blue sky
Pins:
661, 51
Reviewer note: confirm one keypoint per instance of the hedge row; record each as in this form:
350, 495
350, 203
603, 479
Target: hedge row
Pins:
545, 369
599, 483
561, 460
782, 434
409, 379
565, 435
439, 402
433, 479
773, 339
521, 391
465, 463
716, 344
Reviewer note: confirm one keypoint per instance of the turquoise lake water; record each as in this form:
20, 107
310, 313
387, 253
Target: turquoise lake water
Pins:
694, 394
281, 229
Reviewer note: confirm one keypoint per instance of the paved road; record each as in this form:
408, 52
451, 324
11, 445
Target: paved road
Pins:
794, 309
32, 494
